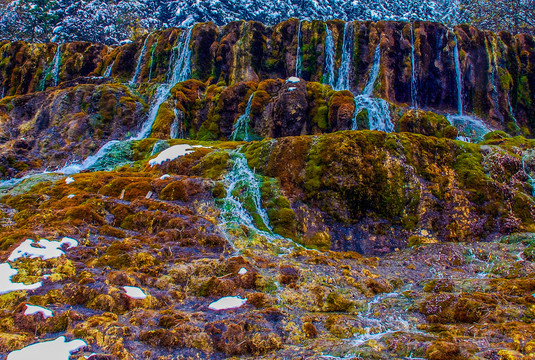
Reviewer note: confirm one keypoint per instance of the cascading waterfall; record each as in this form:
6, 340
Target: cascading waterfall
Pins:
344, 72
328, 71
471, 129
242, 208
378, 109
139, 61
413, 72
458, 76
115, 152
298, 60
111, 155
55, 69
243, 188
107, 73
240, 130
180, 70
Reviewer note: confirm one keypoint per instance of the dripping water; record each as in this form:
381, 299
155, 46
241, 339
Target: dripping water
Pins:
458, 76
511, 111
374, 73
298, 59
107, 73
345, 66
139, 60
152, 58
493, 64
471, 129
177, 127
328, 71
413, 72
55, 69
240, 129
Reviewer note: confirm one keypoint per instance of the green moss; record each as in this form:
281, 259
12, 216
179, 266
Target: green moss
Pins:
213, 165
320, 241
176, 190
470, 171
281, 216
219, 191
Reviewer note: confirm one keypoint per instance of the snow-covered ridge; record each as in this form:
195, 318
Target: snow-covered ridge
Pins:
111, 22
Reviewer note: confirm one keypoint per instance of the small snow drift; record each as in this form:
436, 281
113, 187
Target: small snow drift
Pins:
43, 249
293, 80
227, 303
172, 153
34, 309
6, 273
134, 292
57, 349
69, 180
242, 271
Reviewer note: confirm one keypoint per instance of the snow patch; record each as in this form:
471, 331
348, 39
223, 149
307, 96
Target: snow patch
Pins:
69, 180
71, 196
293, 80
34, 309
228, 302
292, 89
134, 292
242, 271
166, 176
58, 349
172, 153
6, 273
44, 249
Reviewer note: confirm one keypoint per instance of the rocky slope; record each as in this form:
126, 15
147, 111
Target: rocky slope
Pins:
344, 204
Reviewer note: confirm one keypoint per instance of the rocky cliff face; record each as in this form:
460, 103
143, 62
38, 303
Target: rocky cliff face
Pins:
497, 75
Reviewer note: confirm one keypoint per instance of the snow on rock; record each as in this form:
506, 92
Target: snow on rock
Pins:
6, 273
43, 249
172, 153
58, 349
228, 302
242, 271
102, 21
292, 89
69, 180
134, 292
293, 80
34, 309
71, 196
166, 176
